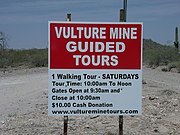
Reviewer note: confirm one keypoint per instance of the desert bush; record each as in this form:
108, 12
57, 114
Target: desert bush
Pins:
3, 59
3, 62
40, 59
30, 58
174, 65
155, 54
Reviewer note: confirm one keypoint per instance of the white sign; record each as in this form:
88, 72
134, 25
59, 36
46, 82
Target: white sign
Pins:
95, 68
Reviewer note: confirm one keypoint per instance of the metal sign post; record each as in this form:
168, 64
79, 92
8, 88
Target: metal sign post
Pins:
66, 117
65, 125
123, 14
125, 10
121, 125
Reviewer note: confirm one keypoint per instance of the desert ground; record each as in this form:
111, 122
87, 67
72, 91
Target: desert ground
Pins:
23, 107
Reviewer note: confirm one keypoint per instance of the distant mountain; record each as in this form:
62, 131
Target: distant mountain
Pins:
150, 44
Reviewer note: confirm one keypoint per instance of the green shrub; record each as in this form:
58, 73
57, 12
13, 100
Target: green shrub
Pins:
39, 60
30, 58
155, 54
174, 65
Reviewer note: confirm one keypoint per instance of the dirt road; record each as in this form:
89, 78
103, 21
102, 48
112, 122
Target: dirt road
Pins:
23, 107
21, 90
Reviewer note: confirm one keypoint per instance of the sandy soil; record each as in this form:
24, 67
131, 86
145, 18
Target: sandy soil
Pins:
23, 107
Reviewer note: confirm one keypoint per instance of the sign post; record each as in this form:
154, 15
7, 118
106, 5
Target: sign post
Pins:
66, 117
95, 68
123, 17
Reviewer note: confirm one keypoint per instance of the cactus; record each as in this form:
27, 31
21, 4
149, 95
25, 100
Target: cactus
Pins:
176, 43
68, 17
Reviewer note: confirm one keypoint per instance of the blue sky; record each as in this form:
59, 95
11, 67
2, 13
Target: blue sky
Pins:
26, 21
